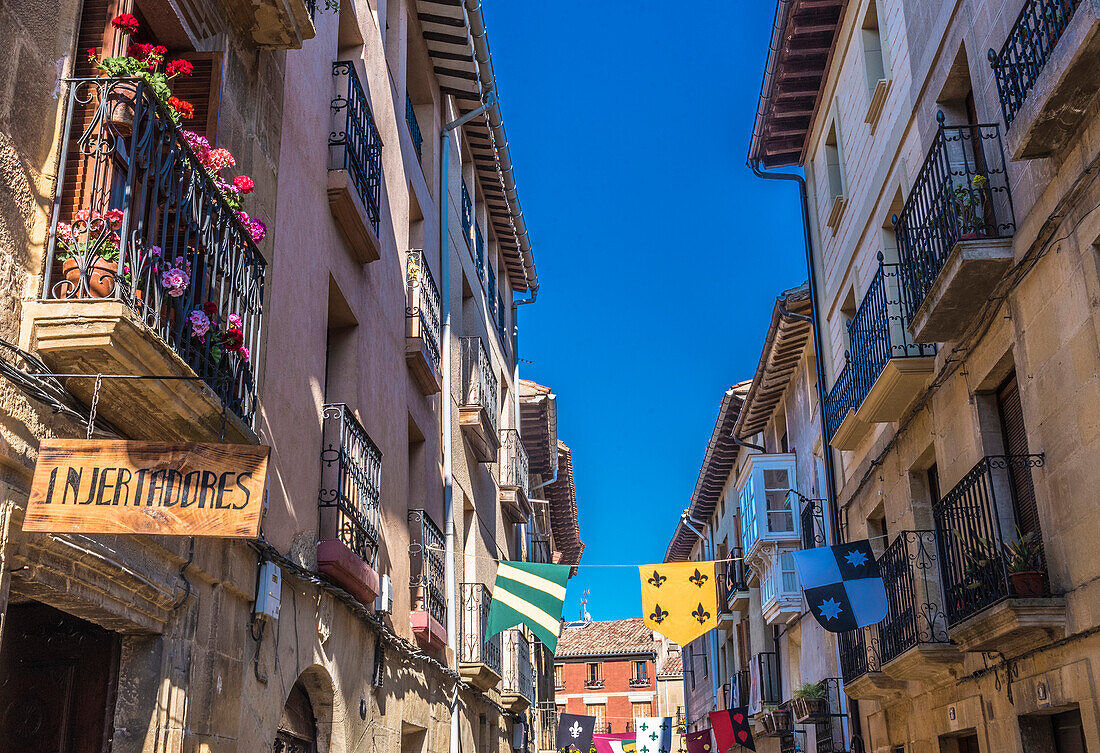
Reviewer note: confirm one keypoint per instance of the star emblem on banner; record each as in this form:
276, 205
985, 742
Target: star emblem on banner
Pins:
856, 558
830, 609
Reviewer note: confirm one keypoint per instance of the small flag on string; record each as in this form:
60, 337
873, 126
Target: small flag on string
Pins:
700, 742
679, 599
843, 585
653, 733
614, 742
575, 732
623, 746
731, 727
531, 594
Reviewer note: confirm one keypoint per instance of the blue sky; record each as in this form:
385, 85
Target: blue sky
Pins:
659, 253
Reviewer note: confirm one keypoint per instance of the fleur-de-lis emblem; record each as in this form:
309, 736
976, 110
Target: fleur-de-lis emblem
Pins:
659, 614
701, 614
575, 730
657, 579
698, 578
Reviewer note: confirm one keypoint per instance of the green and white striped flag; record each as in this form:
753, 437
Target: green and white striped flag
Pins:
531, 594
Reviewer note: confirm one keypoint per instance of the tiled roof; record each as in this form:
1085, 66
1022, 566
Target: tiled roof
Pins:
562, 495
673, 666
606, 638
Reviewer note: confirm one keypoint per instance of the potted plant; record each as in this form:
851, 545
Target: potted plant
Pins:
780, 720
214, 161
89, 251
969, 202
145, 62
1024, 564
809, 701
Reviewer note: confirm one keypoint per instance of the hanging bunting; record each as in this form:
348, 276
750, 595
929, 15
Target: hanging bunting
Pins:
653, 733
700, 742
623, 746
679, 599
613, 742
575, 732
843, 585
731, 728
531, 594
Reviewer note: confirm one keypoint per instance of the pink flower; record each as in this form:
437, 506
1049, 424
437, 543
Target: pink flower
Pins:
200, 325
243, 352
219, 159
244, 184
234, 321
255, 228
114, 217
64, 233
175, 281
156, 251
199, 145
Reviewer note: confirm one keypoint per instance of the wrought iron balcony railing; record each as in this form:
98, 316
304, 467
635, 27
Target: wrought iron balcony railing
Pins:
960, 193
423, 302
591, 684
639, 682
1027, 49
812, 522
546, 730
858, 654
479, 252
502, 330
877, 333
733, 580
351, 481
976, 556
354, 144
915, 615
538, 547
741, 684
491, 290
771, 689
414, 126
426, 572
479, 383
133, 204
518, 678
472, 646
467, 212
513, 462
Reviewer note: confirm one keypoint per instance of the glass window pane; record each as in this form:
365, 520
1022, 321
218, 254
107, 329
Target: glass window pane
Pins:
775, 478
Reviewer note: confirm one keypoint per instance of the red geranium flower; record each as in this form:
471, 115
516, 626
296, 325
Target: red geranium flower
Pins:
244, 184
233, 339
160, 49
126, 22
91, 52
210, 309
185, 109
139, 50
180, 67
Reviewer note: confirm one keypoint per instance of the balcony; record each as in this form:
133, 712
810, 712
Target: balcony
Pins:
355, 165
546, 726
591, 684
861, 668
914, 644
767, 517
426, 580
422, 306
639, 682
734, 587
477, 411
479, 247
274, 24
514, 482
771, 689
887, 369
106, 307
812, 522
351, 483
467, 213
517, 691
996, 587
1047, 75
479, 661
502, 329
414, 127
955, 231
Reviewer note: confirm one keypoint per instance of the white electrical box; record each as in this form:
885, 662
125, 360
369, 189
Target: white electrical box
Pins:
269, 591
384, 601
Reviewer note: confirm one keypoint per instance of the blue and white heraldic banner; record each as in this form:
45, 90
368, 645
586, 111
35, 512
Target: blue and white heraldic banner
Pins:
843, 585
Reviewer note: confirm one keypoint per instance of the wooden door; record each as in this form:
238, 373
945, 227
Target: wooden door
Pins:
58, 675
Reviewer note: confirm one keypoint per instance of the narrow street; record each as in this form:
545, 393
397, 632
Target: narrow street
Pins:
768, 421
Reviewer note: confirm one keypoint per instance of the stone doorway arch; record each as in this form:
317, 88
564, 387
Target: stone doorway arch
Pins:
313, 719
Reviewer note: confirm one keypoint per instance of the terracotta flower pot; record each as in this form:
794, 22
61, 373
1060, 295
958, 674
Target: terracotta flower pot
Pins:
120, 111
100, 276
1028, 584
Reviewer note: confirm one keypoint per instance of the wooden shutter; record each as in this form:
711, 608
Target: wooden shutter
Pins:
1015, 442
202, 89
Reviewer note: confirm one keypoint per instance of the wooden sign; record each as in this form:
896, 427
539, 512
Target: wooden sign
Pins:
178, 489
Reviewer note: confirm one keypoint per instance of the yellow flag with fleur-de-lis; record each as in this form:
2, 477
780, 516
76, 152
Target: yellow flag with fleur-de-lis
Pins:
680, 599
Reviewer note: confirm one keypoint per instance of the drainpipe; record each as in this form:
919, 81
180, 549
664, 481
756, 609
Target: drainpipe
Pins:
444, 199
553, 478
708, 552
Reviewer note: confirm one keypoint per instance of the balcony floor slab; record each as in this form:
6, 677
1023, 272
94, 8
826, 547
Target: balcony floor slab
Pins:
515, 702
351, 217
480, 433
514, 503
348, 570
925, 662
876, 686
481, 676
1012, 626
1051, 115
971, 272
899, 384
422, 366
103, 336
850, 433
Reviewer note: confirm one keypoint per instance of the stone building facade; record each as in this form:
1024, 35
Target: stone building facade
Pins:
378, 364
759, 497
950, 153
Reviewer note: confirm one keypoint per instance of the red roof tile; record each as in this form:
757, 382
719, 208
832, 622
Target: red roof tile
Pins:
606, 638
